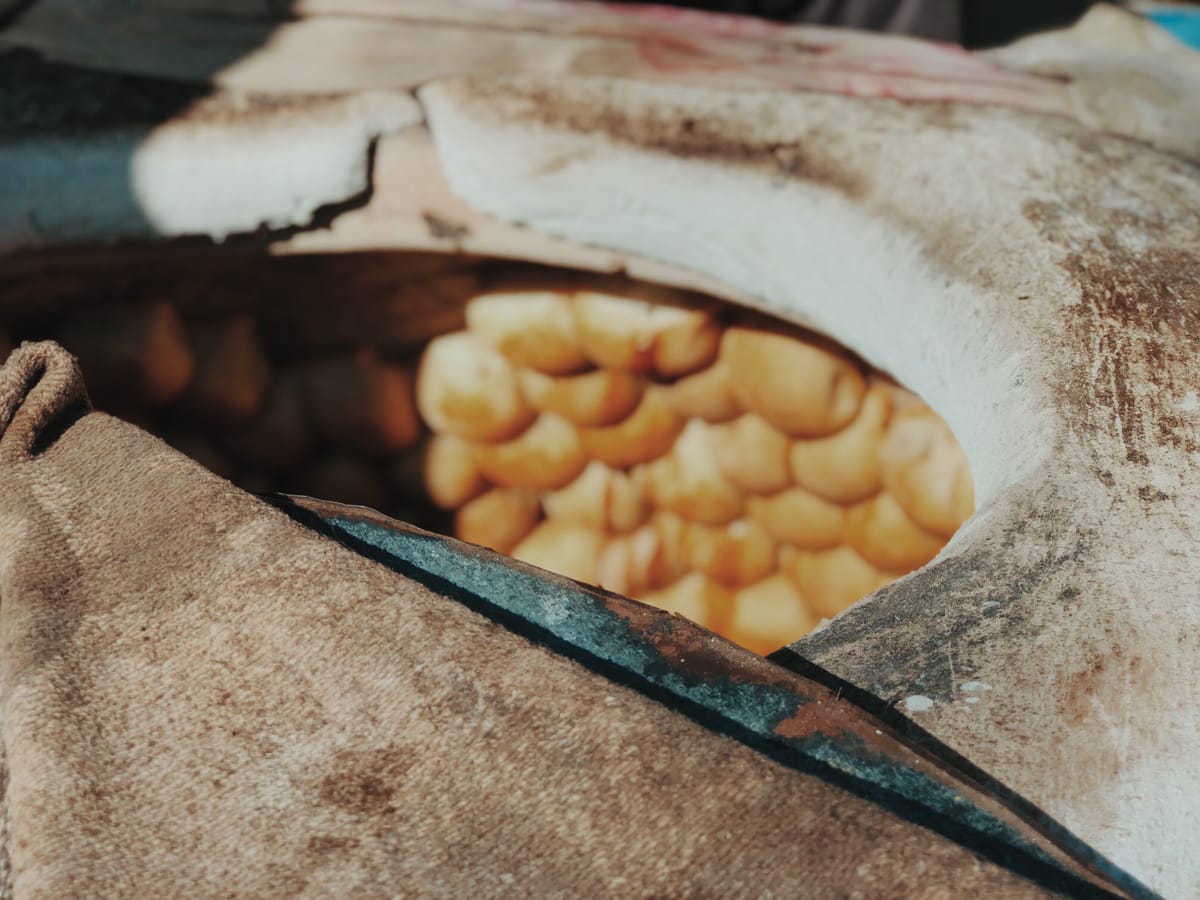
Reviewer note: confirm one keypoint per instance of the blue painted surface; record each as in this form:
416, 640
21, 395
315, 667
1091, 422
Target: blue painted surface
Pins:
1183, 23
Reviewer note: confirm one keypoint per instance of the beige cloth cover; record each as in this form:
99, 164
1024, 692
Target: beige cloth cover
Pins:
202, 697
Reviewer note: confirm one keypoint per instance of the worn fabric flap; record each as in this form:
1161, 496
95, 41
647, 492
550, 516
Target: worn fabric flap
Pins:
199, 695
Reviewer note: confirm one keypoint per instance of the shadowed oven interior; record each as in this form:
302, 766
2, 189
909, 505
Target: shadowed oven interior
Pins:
656, 442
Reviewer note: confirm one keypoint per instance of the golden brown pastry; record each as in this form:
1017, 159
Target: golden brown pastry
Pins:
708, 395
641, 337
797, 517
751, 454
499, 519
881, 533
844, 467
567, 548
687, 345
645, 435
531, 328
632, 563
545, 456
769, 614
688, 481
734, 555
467, 388
279, 437
232, 372
600, 497
801, 389
450, 475
694, 597
132, 355
927, 471
362, 402
670, 562
593, 399
831, 580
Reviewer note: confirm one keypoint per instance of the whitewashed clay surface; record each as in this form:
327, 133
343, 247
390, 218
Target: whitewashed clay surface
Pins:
311, 154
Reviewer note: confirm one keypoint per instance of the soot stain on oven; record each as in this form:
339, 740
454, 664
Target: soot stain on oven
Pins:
685, 135
1139, 303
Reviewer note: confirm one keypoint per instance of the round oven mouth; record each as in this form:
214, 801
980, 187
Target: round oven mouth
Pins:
663, 444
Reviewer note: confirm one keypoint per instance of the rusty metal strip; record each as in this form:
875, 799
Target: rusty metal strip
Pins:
786, 713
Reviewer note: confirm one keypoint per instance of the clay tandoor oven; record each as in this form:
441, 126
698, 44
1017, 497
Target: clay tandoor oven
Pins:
747, 334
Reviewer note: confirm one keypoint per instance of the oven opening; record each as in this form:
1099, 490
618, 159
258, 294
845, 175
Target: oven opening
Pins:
696, 456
